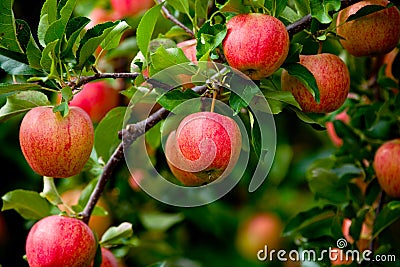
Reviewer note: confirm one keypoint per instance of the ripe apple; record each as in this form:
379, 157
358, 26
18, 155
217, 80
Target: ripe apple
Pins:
98, 224
128, 8
330, 128
256, 232
205, 146
333, 81
96, 98
60, 241
375, 34
189, 49
108, 258
387, 167
56, 146
256, 44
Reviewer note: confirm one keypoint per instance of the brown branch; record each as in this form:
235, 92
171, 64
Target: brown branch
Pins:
97, 76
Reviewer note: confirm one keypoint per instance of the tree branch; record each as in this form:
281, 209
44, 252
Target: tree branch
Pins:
86, 79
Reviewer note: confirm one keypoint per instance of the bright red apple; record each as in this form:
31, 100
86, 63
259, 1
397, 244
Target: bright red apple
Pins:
256, 44
256, 232
375, 34
56, 146
128, 8
205, 147
60, 241
387, 167
333, 81
96, 98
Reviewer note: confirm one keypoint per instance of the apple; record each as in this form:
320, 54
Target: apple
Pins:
365, 235
205, 147
99, 15
388, 60
375, 34
189, 49
259, 230
128, 8
333, 81
60, 241
99, 224
256, 44
387, 167
108, 258
330, 128
96, 98
56, 146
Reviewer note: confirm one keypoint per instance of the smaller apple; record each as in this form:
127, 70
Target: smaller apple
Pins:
205, 147
60, 241
56, 146
96, 98
333, 81
189, 49
375, 34
108, 259
387, 167
256, 44
330, 128
129, 8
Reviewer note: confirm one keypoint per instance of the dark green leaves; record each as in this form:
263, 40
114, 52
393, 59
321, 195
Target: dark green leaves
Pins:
8, 33
210, 37
364, 11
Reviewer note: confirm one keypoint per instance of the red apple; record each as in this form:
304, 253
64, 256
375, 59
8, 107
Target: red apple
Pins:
127, 8
108, 259
60, 241
365, 235
99, 15
330, 128
96, 98
258, 231
387, 167
189, 49
56, 146
205, 147
333, 81
256, 44
375, 34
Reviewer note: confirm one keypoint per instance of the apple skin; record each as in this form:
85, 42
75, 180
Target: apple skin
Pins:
96, 98
388, 60
256, 44
55, 146
333, 81
375, 34
108, 259
60, 241
128, 8
205, 147
189, 49
259, 230
387, 167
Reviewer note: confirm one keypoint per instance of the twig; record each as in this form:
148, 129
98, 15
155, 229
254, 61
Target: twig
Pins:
169, 16
97, 76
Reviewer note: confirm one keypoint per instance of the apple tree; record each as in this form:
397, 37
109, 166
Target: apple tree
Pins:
200, 133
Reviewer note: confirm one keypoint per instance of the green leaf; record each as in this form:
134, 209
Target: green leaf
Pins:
8, 32
146, 27
389, 214
305, 117
278, 100
280, 7
22, 102
302, 7
294, 53
164, 58
247, 91
113, 38
364, 11
48, 15
209, 37
23, 33
305, 76
201, 10
106, 133
34, 54
14, 67
49, 55
63, 108
256, 136
181, 5
73, 31
174, 98
320, 9
114, 234
160, 221
91, 41
6, 88
28, 204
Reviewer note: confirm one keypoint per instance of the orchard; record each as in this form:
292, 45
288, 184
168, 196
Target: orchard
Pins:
196, 133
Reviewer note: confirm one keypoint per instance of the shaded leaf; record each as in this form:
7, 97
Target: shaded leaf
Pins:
164, 58
174, 98
389, 214
14, 67
210, 37
160, 221
364, 11
8, 32
6, 88
113, 38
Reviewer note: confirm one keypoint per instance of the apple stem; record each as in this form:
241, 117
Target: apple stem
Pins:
320, 46
213, 100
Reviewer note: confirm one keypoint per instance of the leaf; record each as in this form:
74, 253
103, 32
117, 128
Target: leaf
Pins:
180, 5
201, 10
8, 32
280, 7
73, 31
305, 76
14, 67
63, 108
277, 100
49, 55
209, 37
389, 214
114, 234
364, 11
48, 15
22, 102
320, 9
113, 38
146, 27
160, 221
247, 91
164, 58
91, 40
34, 54
174, 98
106, 133
28, 204
6, 88
23, 33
